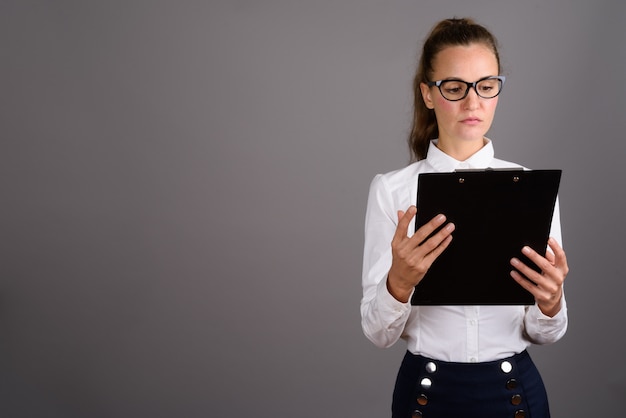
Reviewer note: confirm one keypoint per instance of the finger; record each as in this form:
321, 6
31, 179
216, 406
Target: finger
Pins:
526, 271
404, 219
541, 293
422, 259
548, 303
540, 286
436, 252
553, 274
560, 259
529, 286
428, 228
436, 240
549, 281
524, 282
543, 263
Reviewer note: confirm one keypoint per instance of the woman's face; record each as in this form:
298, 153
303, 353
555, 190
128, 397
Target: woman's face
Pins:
462, 124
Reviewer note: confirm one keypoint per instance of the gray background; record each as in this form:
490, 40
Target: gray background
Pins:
184, 184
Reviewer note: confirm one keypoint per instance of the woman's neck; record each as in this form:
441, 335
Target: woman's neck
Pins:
461, 150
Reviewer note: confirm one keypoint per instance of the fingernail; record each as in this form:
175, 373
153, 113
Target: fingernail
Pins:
450, 227
515, 261
441, 218
526, 250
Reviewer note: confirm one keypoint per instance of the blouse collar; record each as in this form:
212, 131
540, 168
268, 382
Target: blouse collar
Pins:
441, 161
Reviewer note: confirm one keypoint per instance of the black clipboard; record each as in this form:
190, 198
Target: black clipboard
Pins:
496, 212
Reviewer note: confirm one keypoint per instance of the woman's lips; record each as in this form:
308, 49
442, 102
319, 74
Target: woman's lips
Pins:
471, 121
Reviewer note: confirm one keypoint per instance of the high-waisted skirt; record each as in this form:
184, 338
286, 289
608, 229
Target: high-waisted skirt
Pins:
507, 388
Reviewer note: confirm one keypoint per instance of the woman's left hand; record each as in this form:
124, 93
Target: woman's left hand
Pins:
548, 285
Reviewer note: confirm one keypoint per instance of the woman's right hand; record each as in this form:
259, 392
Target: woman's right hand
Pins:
412, 256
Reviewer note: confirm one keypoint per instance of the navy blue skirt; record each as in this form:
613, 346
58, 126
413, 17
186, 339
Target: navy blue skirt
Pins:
507, 388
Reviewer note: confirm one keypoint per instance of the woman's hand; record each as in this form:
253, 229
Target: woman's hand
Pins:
548, 285
411, 257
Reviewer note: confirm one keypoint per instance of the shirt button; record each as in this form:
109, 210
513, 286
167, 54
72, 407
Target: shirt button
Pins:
472, 359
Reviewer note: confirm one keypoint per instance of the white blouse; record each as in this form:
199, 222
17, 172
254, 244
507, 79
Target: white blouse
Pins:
447, 333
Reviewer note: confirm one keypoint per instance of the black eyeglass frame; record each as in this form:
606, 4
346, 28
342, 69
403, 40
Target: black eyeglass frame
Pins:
438, 83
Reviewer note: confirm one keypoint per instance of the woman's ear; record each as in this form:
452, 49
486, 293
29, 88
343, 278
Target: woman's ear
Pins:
428, 99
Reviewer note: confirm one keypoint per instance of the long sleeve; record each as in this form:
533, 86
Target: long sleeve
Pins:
382, 316
539, 328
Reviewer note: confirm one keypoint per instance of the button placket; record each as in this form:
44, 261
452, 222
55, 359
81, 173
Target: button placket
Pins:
471, 326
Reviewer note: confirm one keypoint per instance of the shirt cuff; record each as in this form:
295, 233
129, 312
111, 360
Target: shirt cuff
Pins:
560, 316
390, 305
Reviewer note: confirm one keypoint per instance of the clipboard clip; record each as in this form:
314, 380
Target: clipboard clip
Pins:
478, 170
488, 169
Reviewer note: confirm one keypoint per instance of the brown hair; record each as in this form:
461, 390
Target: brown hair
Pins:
448, 32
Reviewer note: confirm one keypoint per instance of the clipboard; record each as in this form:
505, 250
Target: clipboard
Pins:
496, 212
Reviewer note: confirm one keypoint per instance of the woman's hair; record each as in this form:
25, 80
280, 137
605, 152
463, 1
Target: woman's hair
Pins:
449, 32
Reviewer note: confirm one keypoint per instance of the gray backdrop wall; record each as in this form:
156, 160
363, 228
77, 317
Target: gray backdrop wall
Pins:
184, 184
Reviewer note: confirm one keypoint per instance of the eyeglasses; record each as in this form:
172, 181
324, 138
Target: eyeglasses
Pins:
454, 90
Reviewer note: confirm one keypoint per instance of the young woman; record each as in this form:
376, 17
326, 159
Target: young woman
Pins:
461, 361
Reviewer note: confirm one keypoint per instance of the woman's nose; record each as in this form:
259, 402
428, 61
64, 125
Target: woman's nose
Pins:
472, 99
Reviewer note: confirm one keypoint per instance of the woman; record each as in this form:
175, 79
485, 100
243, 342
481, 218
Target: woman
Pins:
468, 361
